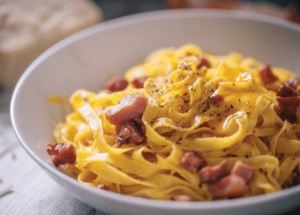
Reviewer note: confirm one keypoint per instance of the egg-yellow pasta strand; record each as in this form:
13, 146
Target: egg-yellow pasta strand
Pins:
222, 111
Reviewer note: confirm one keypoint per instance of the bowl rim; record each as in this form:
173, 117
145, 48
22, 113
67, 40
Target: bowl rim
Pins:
132, 19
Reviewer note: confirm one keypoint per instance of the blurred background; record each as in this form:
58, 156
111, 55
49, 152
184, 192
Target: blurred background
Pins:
29, 27
287, 9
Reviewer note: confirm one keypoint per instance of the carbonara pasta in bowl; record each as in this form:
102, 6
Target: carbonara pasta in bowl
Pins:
176, 128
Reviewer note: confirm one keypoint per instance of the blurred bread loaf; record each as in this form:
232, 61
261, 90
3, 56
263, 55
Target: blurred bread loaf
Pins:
29, 27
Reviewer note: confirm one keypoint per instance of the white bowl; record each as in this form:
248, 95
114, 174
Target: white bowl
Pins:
87, 59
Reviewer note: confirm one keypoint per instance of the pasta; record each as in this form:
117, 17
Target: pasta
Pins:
203, 115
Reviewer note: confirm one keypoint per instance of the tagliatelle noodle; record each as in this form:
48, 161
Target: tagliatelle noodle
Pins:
180, 117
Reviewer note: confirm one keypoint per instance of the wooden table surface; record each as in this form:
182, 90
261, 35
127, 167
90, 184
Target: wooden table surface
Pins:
25, 188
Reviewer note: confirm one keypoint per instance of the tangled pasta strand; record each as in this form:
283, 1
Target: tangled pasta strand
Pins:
216, 106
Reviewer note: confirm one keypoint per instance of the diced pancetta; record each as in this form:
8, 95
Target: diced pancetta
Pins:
192, 161
266, 74
209, 174
61, 153
129, 107
117, 83
231, 186
243, 170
